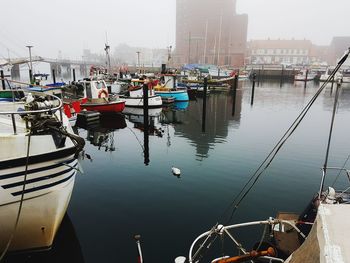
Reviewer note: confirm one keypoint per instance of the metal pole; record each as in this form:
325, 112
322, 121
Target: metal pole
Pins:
53, 76
282, 76
2, 79
145, 124
204, 103
30, 63
253, 88
139, 251
73, 74
234, 95
138, 61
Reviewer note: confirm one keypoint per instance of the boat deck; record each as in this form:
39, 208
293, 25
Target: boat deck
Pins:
6, 124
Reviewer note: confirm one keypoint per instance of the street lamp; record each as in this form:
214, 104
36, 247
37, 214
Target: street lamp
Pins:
30, 62
169, 52
138, 60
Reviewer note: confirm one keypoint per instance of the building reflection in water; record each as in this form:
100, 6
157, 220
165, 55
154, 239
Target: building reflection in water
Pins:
188, 123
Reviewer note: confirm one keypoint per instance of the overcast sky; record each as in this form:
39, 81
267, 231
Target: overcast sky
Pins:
72, 25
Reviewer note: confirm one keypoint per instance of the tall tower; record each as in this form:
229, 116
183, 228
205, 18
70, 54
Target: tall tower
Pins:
210, 32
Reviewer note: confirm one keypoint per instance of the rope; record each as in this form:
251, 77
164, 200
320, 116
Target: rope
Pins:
20, 204
336, 179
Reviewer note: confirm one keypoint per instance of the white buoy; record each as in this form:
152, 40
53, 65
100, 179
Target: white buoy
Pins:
180, 259
176, 171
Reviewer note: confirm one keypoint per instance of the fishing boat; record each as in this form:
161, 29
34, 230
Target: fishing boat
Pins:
169, 88
38, 164
93, 96
305, 75
134, 95
319, 234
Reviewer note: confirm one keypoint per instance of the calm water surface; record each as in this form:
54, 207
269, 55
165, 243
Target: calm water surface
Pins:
123, 192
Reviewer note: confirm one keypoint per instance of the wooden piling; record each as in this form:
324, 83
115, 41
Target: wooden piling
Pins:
204, 103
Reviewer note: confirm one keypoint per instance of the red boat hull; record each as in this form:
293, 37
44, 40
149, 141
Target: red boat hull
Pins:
113, 106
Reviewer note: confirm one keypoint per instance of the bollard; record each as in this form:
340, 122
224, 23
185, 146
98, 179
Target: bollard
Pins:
253, 88
53, 76
2, 79
73, 74
204, 103
145, 124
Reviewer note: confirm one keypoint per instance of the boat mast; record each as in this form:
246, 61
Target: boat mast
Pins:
107, 48
205, 42
220, 28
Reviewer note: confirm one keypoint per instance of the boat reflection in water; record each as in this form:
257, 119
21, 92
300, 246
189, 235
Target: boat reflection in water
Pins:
147, 125
101, 133
65, 248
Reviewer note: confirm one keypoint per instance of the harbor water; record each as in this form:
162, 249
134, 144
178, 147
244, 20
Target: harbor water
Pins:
128, 188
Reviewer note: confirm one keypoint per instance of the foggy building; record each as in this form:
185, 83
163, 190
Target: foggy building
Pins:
279, 51
210, 32
337, 48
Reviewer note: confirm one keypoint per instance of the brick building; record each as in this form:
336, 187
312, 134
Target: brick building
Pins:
210, 32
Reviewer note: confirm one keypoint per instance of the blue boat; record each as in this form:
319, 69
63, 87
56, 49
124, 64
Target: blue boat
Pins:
179, 95
169, 89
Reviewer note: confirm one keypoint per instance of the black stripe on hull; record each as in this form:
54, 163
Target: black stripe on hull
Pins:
36, 170
38, 179
37, 158
26, 191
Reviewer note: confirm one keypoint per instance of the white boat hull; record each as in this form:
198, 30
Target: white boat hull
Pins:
153, 101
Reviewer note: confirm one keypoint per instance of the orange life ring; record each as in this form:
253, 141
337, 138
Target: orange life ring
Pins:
103, 92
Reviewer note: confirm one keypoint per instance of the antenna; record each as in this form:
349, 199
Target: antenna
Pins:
107, 48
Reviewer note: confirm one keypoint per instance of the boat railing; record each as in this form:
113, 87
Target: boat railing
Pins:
47, 108
340, 170
224, 230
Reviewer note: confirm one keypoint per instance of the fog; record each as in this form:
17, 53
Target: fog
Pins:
69, 26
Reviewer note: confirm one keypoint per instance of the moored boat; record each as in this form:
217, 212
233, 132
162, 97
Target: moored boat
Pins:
38, 164
134, 95
93, 95
169, 89
305, 75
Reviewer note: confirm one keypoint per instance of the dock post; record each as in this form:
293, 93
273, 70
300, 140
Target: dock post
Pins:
258, 77
31, 76
282, 76
2, 79
307, 73
53, 76
204, 103
332, 80
145, 124
253, 88
234, 95
73, 74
